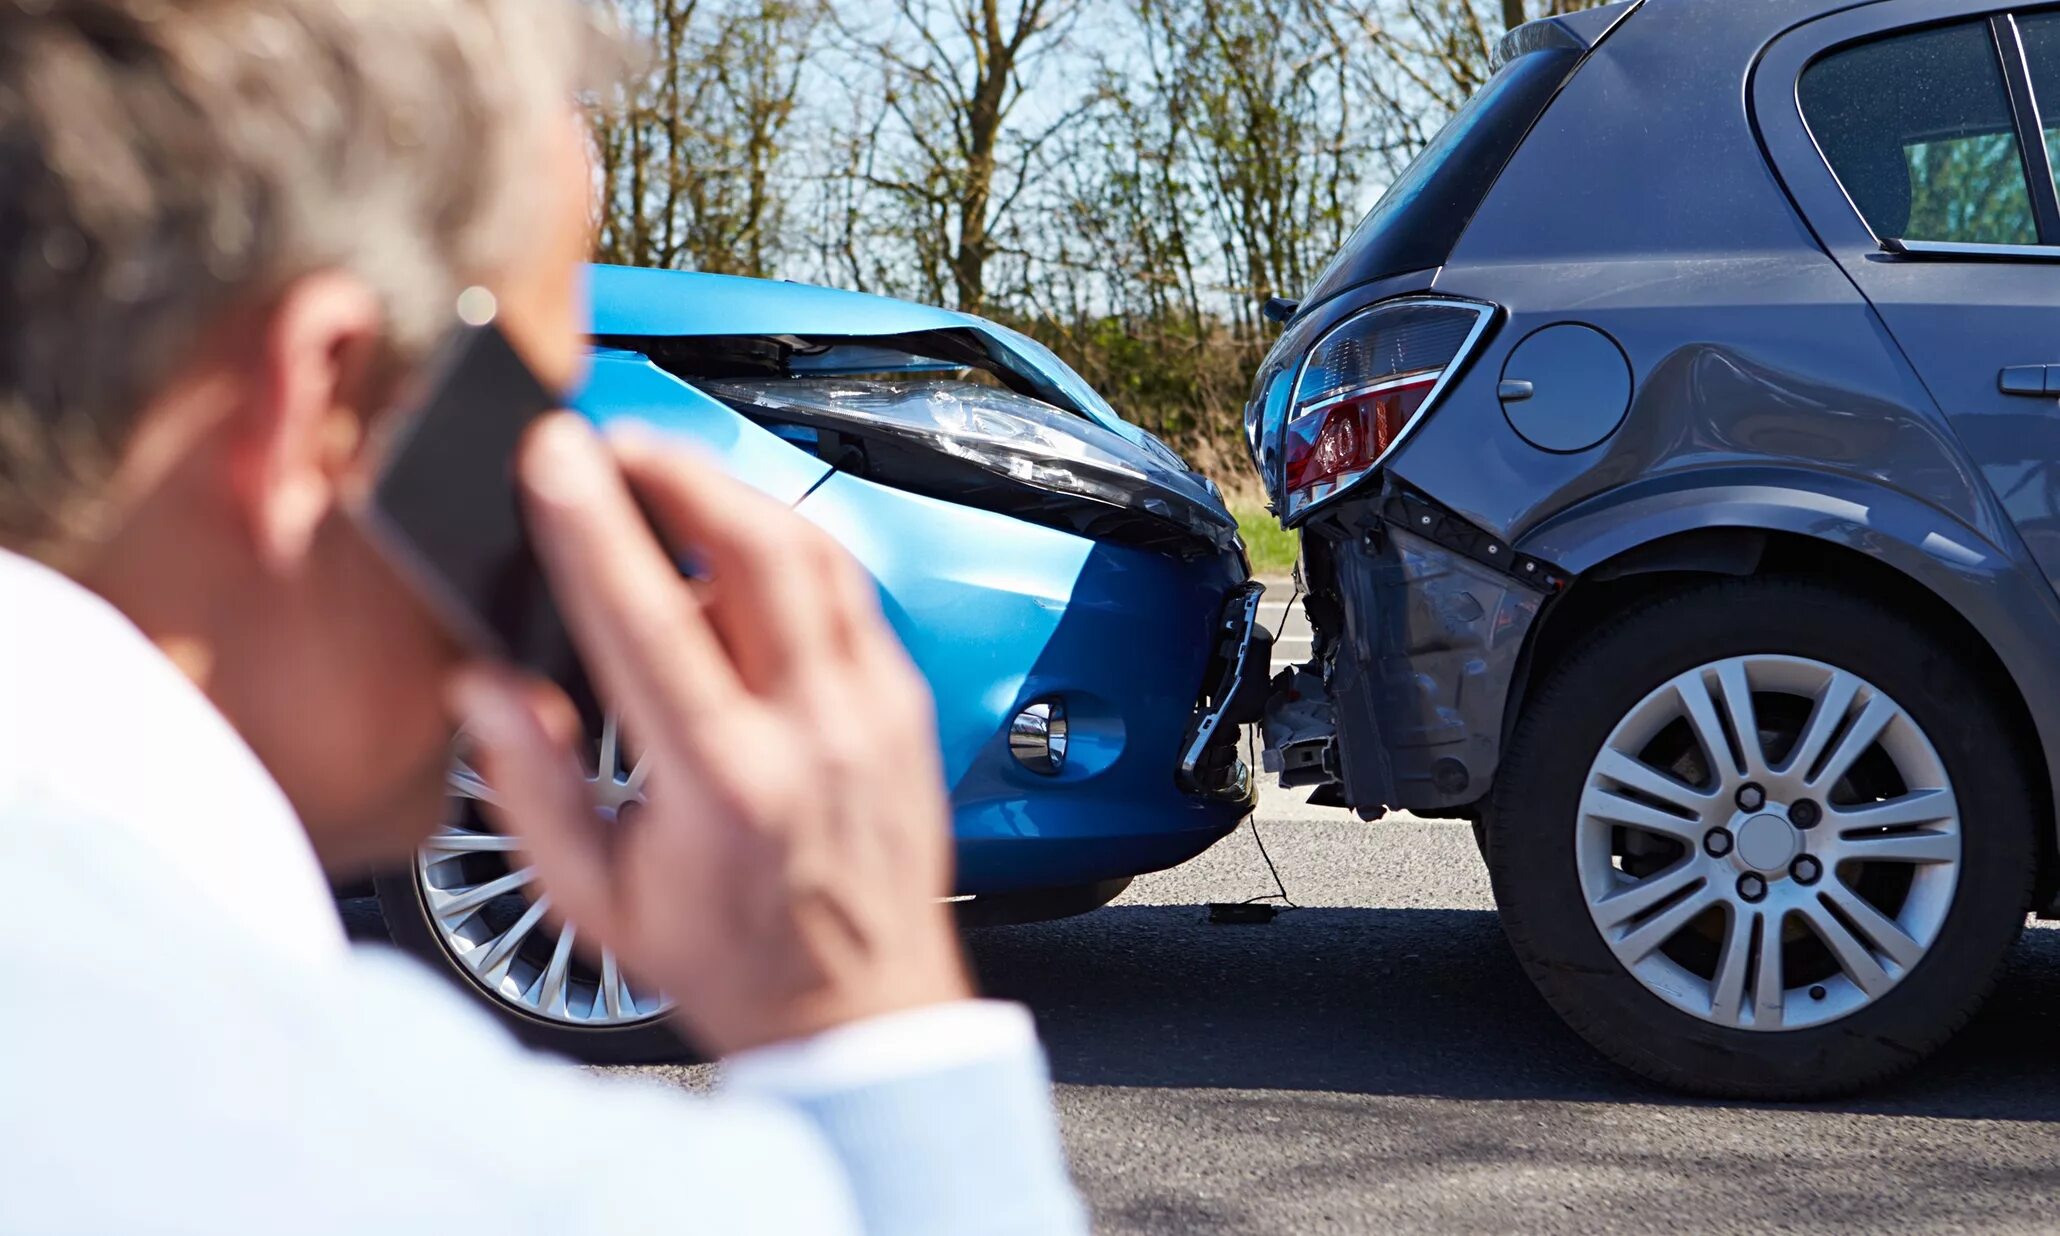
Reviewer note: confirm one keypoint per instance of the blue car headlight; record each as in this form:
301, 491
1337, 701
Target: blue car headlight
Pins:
997, 449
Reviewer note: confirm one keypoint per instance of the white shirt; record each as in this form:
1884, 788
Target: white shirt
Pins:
189, 1044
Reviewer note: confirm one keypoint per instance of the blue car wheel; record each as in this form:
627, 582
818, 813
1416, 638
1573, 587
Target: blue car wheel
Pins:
471, 907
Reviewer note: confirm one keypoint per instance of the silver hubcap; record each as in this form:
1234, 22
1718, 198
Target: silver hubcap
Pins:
491, 917
1768, 842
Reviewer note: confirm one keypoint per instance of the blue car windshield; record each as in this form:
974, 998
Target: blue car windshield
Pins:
1418, 221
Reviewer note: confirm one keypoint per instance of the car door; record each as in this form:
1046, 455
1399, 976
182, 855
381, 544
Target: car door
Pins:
1910, 133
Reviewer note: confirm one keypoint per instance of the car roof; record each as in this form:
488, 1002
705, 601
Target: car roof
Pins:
1768, 17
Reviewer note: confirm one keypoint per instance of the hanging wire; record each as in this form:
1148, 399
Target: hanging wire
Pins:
1252, 753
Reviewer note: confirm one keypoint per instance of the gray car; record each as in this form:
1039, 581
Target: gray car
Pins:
1676, 454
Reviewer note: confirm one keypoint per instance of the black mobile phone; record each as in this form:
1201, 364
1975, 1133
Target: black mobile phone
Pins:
445, 509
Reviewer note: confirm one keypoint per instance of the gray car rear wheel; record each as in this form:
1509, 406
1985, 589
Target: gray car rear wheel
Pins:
1761, 838
1755, 809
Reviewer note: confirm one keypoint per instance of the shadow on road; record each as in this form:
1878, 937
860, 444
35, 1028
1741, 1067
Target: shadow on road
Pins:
1411, 1002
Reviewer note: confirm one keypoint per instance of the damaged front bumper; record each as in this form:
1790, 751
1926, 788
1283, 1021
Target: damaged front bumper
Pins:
1420, 620
1032, 550
1234, 695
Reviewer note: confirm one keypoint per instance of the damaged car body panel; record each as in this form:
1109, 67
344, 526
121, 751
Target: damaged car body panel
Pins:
1049, 566
626, 385
1421, 623
1427, 645
994, 449
999, 612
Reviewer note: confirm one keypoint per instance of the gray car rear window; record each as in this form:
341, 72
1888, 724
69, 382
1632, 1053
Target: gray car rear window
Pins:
1918, 129
1416, 223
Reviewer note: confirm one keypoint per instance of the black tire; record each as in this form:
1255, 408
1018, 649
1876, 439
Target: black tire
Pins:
1535, 803
412, 931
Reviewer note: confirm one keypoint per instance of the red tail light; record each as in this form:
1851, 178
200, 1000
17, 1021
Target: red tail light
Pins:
1353, 433
1362, 388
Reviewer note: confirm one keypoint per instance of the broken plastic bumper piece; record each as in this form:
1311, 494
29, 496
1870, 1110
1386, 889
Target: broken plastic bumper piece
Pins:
1234, 695
1300, 729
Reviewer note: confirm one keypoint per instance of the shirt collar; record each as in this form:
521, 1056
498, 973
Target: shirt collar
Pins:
103, 742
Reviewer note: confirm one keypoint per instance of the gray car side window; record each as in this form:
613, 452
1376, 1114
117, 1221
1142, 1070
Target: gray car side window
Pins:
2041, 34
1918, 128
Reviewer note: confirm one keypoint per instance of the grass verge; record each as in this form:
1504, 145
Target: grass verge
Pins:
1273, 548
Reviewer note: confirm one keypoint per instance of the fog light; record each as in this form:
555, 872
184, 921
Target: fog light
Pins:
1037, 737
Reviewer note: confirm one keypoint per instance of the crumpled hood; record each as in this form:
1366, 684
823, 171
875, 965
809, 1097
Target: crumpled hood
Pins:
632, 301
634, 307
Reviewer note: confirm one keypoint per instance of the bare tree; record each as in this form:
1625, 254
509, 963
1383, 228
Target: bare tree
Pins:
1217, 165
633, 129
688, 153
952, 77
1128, 197
1271, 138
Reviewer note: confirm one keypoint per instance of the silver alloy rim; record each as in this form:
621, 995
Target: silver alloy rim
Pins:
1800, 875
491, 919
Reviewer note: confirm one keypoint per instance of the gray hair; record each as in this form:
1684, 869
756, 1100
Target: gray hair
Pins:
163, 162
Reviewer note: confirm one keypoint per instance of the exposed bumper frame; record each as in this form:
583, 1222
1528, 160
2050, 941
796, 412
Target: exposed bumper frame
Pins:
1234, 695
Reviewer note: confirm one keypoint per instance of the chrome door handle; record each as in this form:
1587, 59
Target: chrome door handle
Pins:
2031, 380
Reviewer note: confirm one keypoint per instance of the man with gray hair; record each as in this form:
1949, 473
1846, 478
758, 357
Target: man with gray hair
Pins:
229, 231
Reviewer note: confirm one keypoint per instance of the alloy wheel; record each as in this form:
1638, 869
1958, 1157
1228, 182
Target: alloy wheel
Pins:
1768, 842
483, 901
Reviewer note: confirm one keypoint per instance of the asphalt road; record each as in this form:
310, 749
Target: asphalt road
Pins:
1374, 1061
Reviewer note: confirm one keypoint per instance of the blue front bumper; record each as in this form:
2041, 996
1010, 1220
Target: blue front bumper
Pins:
999, 613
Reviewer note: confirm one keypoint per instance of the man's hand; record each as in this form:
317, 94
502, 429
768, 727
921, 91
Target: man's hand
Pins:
784, 874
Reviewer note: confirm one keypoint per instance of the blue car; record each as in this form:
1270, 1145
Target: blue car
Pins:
1077, 597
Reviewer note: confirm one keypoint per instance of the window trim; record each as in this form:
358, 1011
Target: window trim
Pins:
1946, 250
2031, 133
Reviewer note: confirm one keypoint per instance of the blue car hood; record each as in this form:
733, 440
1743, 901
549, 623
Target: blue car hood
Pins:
631, 305
630, 301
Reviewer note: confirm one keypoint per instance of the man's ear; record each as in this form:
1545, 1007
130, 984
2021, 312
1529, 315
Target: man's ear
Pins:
303, 421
